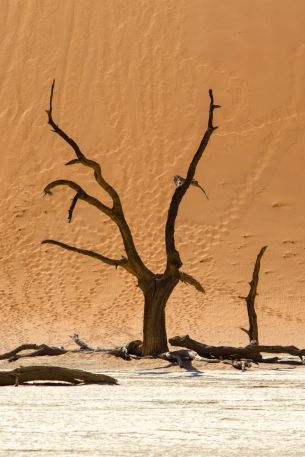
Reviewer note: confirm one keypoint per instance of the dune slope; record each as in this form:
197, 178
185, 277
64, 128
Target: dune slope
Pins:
132, 82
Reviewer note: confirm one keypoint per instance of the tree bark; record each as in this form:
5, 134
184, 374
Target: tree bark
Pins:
156, 295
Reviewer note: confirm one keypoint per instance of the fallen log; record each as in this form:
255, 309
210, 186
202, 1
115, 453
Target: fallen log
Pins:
283, 361
132, 348
40, 350
43, 350
121, 351
52, 373
251, 352
22, 347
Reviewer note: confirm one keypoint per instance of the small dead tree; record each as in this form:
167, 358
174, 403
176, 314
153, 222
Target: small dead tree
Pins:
250, 300
156, 288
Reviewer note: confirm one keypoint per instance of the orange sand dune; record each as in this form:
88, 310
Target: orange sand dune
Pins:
132, 89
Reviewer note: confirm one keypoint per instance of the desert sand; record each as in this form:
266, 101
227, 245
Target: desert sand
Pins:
132, 80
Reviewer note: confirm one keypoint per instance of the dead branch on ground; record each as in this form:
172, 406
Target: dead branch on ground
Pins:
239, 357
23, 375
132, 349
39, 351
81, 343
251, 352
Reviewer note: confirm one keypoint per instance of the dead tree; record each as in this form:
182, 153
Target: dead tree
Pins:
250, 300
156, 288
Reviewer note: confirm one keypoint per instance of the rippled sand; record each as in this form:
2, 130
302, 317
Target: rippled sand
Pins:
132, 81
156, 413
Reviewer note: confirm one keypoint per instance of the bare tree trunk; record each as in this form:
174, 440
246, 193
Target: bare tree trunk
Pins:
156, 295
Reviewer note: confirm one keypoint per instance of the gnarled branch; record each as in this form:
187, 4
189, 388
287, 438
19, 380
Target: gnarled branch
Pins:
188, 279
116, 212
173, 257
81, 158
123, 262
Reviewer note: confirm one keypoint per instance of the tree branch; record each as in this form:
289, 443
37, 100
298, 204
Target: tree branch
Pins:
173, 257
250, 300
116, 263
116, 212
72, 207
22, 347
81, 158
82, 195
81, 343
188, 279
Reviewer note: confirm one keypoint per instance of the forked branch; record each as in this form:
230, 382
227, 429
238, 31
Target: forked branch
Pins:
81, 158
115, 213
173, 257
